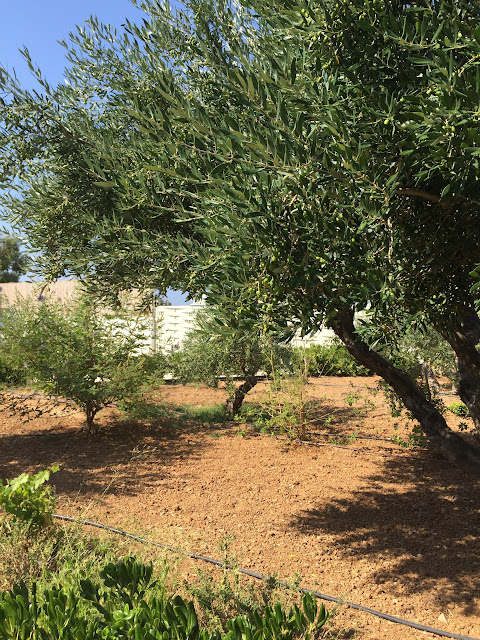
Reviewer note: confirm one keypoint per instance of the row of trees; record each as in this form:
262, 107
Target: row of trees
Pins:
82, 353
295, 161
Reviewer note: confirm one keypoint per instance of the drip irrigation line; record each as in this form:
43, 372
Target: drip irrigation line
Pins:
346, 435
386, 453
365, 386
260, 576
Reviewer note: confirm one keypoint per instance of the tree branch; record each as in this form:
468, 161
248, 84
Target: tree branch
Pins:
420, 194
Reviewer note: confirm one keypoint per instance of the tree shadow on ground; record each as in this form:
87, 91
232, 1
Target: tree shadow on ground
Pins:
120, 458
420, 519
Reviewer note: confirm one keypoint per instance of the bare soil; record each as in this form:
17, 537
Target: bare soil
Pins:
366, 520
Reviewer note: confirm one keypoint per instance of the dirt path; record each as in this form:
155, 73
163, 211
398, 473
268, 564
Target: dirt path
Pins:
389, 528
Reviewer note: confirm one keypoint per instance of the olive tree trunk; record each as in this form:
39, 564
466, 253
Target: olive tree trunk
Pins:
234, 402
464, 342
90, 413
441, 437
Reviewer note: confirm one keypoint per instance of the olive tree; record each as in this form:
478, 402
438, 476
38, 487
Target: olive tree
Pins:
215, 351
13, 263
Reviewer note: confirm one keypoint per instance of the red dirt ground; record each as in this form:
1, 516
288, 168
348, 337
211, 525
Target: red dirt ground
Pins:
393, 529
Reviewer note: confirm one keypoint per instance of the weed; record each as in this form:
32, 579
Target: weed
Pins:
233, 595
416, 437
345, 440
459, 409
214, 414
25, 498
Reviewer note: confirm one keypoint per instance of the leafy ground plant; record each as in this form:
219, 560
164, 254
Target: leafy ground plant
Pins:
459, 409
49, 589
25, 498
75, 352
127, 604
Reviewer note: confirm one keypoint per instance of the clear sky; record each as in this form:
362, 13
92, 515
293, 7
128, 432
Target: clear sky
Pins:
39, 24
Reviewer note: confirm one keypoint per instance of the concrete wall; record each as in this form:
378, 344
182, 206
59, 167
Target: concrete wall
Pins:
168, 324
173, 324
63, 290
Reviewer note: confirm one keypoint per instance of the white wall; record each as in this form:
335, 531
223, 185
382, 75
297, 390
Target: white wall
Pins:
174, 322
172, 325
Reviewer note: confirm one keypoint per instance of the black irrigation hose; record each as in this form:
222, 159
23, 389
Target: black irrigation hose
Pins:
259, 576
346, 435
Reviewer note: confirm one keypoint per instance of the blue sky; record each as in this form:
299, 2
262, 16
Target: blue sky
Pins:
39, 24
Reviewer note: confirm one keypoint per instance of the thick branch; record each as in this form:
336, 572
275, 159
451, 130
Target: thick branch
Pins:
464, 343
418, 193
234, 402
439, 434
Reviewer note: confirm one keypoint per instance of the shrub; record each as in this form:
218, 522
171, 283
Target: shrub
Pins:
26, 499
74, 352
124, 607
332, 359
459, 409
9, 374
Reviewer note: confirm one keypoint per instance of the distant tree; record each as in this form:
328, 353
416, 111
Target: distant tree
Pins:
219, 349
74, 352
13, 263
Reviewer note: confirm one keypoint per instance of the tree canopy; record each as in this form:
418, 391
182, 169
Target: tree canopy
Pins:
13, 263
305, 159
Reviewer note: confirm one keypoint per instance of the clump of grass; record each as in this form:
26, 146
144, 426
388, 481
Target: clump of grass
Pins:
459, 409
221, 597
57, 554
143, 410
213, 414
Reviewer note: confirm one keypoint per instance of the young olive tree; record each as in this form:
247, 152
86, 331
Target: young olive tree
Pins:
307, 159
74, 351
215, 351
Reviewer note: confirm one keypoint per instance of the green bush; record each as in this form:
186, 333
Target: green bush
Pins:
75, 352
10, 375
459, 409
332, 359
26, 499
207, 358
154, 365
124, 607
